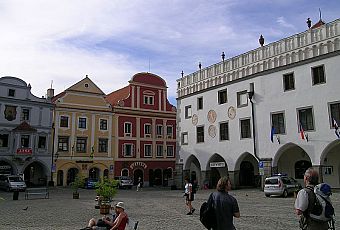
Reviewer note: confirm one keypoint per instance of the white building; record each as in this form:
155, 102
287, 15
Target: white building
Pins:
290, 82
25, 132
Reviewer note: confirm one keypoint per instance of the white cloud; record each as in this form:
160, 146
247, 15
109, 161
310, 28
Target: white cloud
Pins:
63, 40
282, 22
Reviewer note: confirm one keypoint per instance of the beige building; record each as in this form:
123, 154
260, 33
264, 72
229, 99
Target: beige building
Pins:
83, 134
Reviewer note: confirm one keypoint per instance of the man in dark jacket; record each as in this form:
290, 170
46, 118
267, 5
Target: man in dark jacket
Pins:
225, 205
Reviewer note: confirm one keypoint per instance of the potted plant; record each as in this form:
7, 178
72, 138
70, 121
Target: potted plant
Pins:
106, 189
76, 184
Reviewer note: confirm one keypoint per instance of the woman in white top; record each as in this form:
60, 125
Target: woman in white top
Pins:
189, 196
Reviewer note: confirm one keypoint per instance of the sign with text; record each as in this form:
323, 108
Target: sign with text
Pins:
138, 163
217, 164
24, 151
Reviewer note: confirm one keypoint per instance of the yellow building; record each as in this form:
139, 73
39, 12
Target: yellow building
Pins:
83, 134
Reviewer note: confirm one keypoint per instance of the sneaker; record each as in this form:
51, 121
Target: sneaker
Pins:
189, 213
193, 210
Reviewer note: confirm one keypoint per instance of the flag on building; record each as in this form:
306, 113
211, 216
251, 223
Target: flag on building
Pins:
303, 135
272, 132
336, 128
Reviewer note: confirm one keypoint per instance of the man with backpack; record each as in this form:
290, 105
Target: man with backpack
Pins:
307, 204
221, 208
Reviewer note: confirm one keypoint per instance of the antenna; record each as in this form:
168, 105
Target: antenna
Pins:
320, 13
149, 65
51, 84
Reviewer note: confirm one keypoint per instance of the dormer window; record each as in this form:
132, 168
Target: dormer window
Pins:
11, 92
148, 97
148, 100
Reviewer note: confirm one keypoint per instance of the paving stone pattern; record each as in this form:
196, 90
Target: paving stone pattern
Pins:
154, 208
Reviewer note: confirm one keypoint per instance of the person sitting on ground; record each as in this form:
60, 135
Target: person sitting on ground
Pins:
119, 220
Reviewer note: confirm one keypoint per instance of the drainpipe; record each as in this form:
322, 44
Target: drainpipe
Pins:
251, 95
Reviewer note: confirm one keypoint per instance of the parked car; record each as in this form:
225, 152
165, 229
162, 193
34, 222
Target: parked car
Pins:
280, 185
12, 183
90, 183
124, 182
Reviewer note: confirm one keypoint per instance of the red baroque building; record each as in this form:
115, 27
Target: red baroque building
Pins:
145, 138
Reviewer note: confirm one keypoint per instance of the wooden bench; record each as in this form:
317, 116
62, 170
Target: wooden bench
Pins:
42, 192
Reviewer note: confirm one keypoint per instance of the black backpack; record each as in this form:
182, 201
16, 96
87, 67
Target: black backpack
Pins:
207, 216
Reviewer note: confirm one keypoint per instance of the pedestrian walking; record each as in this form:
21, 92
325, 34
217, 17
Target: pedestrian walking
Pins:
224, 205
139, 184
305, 204
189, 196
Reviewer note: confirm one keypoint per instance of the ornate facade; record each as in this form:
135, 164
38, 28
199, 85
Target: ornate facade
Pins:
245, 116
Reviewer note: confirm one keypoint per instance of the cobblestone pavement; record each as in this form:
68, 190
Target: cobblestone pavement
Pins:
155, 209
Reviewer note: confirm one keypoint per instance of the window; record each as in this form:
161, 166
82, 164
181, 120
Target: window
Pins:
306, 119
127, 128
335, 113
81, 144
224, 131
82, 123
25, 114
147, 130
200, 134
278, 123
199, 103
3, 140
147, 150
245, 128
169, 131
187, 111
159, 130
170, 151
288, 81
63, 121
128, 150
222, 96
102, 145
42, 142
25, 141
148, 100
62, 143
184, 138
11, 92
103, 124
242, 98
159, 152
318, 75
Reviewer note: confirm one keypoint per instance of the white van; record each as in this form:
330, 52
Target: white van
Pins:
12, 183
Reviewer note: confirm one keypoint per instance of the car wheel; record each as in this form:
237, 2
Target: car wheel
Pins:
285, 193
8, 189
267, 195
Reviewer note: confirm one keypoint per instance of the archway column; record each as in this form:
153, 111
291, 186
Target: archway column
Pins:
234, 178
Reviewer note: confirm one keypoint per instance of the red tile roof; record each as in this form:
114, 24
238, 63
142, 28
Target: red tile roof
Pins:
318, 24
118, 95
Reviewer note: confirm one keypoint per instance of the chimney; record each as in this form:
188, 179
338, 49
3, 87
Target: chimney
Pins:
50, 93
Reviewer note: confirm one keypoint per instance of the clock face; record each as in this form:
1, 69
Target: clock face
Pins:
194, 119
212, 116
212, 131
231, 112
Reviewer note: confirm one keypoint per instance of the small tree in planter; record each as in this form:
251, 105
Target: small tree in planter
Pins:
78, 182
106, 189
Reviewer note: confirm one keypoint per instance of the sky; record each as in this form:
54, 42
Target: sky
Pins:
62, 41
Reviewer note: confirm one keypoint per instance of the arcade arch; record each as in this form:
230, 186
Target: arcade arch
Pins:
330, 161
